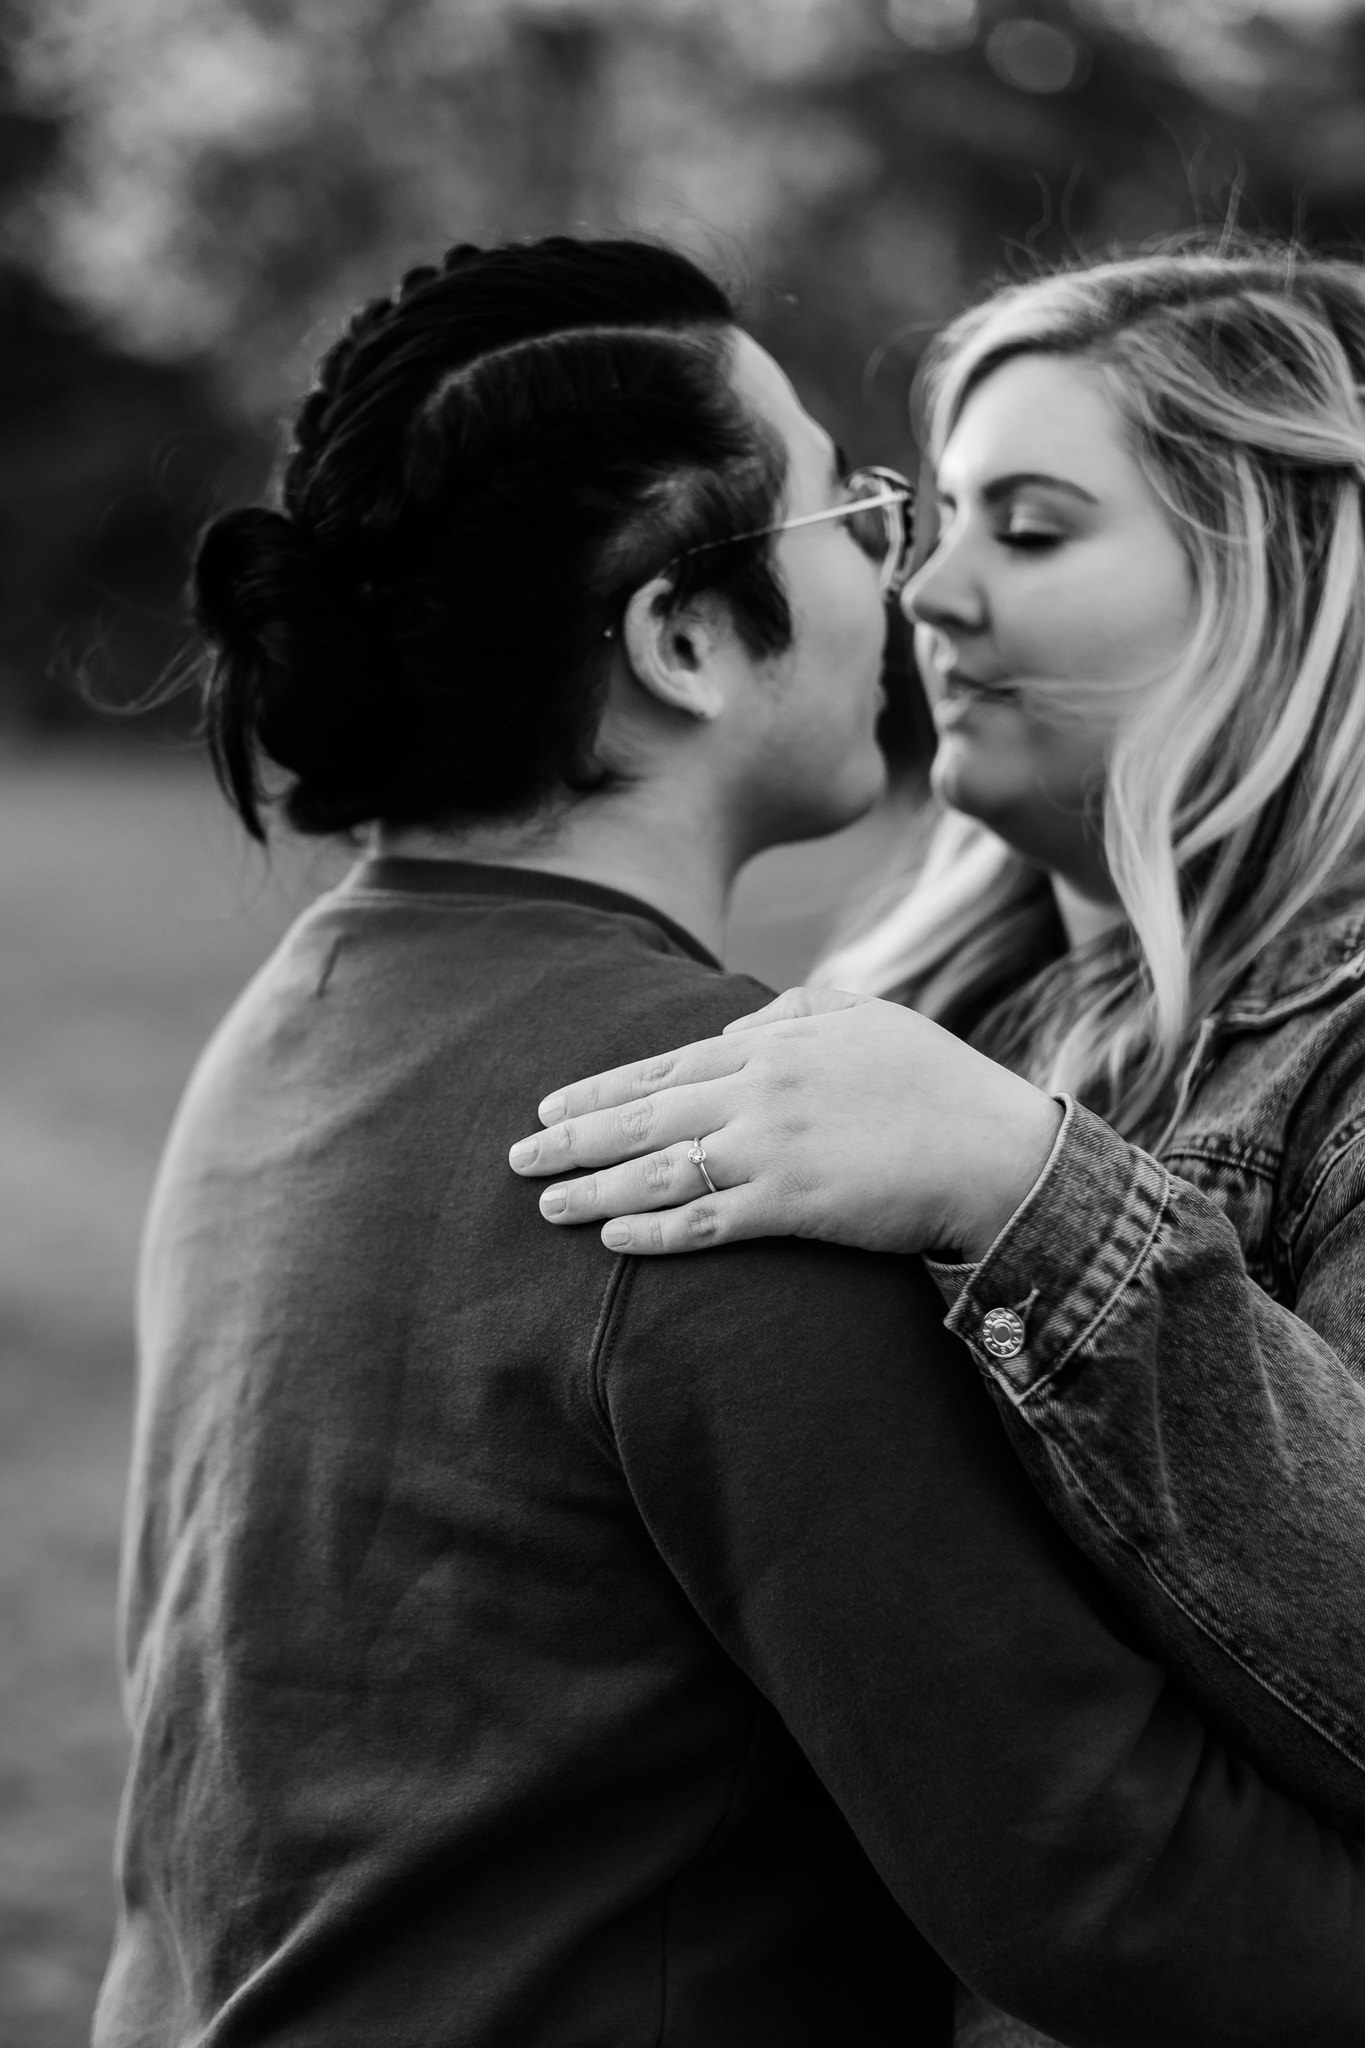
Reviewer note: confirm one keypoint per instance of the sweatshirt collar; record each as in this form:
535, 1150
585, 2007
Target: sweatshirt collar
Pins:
402, 874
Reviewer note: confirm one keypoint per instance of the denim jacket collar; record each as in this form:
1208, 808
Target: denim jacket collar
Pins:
1310, 963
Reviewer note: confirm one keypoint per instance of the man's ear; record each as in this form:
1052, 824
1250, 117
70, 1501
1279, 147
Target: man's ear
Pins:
676, 654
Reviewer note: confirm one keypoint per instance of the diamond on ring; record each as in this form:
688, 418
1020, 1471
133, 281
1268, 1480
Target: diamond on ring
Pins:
697, 1154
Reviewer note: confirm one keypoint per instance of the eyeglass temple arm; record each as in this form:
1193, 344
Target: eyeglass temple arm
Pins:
893, 495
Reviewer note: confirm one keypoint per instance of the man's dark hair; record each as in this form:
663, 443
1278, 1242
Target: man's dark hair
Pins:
491, 461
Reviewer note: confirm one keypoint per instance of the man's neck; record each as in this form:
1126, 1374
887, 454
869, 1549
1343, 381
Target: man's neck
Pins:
671, 862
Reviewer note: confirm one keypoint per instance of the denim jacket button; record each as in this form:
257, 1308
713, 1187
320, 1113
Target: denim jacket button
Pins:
1002, 1333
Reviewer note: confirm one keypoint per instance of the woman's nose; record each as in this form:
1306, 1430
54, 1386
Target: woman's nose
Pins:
943, 592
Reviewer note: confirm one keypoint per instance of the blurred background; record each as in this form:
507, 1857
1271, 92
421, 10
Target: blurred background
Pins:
192, 193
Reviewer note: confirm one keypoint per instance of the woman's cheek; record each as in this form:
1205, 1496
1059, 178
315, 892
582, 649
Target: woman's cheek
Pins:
1069, 765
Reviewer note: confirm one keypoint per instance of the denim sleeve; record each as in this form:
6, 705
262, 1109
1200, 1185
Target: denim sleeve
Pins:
1037, 1794
1203, 1444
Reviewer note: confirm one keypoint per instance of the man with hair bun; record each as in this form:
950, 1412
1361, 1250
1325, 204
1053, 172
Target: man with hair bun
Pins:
526, 1645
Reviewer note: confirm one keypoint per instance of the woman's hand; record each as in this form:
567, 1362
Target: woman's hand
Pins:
824, 1115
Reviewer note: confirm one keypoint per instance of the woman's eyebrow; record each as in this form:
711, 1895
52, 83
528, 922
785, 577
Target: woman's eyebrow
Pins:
1002, 487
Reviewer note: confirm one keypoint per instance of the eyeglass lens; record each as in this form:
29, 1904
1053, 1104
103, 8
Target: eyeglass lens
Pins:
881, 531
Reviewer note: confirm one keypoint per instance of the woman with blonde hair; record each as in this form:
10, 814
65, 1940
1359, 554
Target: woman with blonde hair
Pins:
1117, 1092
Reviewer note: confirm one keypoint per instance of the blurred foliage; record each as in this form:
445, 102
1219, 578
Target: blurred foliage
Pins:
192, 193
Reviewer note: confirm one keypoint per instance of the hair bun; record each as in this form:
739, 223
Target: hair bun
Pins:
254, 567
297, 654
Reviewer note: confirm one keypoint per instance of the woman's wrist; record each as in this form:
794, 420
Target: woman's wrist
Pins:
1025, 1145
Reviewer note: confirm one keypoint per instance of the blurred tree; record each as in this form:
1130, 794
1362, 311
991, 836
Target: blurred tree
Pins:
106, 459
223, 178
231, 176
107, 463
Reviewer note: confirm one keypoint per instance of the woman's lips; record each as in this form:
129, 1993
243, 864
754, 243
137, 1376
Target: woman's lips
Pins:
960, 697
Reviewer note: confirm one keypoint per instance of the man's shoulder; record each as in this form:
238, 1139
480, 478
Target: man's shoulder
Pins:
772, 1296
596, 984
668, 1000
613, 997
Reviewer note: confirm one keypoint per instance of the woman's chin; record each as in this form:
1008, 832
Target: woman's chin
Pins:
965, 783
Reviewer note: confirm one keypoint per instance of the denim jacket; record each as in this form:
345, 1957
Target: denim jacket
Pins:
1181, 1366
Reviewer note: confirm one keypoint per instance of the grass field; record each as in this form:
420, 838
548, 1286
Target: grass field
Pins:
130, 912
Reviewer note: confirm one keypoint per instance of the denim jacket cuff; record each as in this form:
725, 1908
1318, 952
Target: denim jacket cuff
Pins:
1066, 1254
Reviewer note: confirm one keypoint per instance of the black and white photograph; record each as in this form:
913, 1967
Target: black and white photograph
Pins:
682, 1024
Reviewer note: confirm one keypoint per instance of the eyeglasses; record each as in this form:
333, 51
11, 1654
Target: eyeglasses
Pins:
878, 512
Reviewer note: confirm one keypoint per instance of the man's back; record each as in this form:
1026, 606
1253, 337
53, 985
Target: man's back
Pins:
532, 1647
431, 1744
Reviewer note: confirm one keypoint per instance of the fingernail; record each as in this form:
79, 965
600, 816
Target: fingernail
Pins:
552, 1109
525, 1153
617, 1235
554, 1200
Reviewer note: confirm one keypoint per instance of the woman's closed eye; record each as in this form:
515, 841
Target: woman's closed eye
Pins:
1029, 520
1030, 539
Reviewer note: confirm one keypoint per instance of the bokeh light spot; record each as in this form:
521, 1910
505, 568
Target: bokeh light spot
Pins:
1036, 56
934, 24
